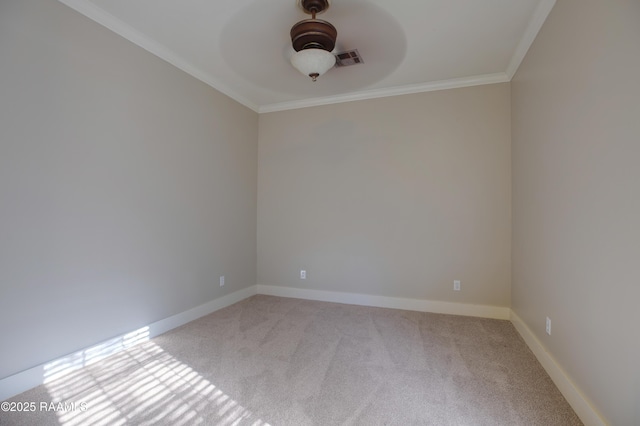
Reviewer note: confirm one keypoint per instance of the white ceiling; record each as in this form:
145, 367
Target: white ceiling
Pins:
241, 47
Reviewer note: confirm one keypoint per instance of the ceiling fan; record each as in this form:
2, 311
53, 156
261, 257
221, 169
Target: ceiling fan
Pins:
314, 40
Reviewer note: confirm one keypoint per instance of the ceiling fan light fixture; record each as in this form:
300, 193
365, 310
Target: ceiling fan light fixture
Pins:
313, 62
313, 40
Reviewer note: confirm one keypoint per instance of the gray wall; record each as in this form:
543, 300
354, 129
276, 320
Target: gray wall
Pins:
392, 197
576, 197
127, 187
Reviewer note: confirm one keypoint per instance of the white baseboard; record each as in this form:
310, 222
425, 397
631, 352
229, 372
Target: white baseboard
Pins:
182, 318
27, 379
580, 404
420, 305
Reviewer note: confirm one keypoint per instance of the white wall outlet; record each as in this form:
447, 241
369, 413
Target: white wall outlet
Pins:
456, 285
303, 274
548, 328
221, 280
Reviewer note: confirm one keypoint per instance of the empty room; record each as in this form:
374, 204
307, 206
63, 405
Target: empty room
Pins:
314, 212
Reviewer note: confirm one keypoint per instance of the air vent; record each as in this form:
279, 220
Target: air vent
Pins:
348, 58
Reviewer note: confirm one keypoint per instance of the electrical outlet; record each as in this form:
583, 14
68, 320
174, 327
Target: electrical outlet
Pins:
456, 285
221, 280
548, 328
303, 274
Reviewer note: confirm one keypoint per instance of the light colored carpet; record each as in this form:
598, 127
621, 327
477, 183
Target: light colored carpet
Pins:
277, 361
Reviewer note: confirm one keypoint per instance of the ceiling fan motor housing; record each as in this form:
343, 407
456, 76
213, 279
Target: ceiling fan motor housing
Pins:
313, 34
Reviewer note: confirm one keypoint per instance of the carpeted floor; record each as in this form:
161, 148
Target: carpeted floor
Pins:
277, 361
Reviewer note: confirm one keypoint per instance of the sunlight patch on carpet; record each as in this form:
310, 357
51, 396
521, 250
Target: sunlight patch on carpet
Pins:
136, 379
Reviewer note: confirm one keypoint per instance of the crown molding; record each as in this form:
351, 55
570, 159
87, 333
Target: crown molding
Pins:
109, 21
535, 24
391, 91
114, 24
